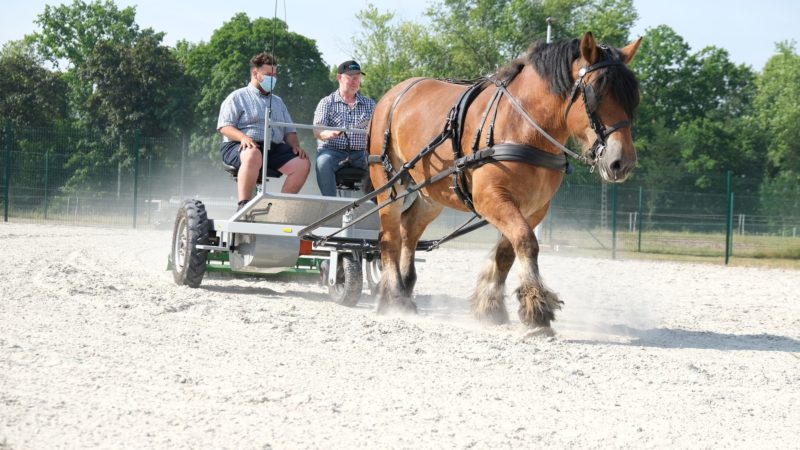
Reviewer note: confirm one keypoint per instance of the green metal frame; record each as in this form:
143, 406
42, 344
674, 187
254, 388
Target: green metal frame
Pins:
305, 267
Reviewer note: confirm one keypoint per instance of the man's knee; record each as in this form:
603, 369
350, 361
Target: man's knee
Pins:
296, 166
250, 158
326, 163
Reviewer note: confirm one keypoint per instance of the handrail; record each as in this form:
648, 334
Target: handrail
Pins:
268, 132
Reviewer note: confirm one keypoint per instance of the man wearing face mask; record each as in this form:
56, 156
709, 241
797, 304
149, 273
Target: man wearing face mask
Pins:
344, 108
241, 122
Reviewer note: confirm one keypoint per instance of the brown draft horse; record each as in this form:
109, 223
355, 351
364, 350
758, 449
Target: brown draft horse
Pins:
511, 195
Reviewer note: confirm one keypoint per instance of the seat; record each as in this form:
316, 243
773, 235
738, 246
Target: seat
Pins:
350, 178
234, 171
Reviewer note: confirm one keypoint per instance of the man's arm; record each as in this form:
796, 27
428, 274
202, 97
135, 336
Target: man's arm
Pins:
320, 118
291, 139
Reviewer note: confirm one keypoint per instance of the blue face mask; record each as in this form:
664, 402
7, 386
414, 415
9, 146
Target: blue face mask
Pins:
268, 84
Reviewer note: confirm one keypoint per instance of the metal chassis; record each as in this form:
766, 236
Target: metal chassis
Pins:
228, 230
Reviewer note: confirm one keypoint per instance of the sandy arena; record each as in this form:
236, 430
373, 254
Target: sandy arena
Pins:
100, 349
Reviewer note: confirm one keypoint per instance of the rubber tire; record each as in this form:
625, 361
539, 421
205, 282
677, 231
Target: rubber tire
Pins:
191, 229
373, 269
349, 282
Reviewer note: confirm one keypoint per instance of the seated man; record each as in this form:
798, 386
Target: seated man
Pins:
344, 108
241, 122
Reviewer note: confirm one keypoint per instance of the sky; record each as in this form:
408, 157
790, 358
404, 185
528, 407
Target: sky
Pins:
747, 29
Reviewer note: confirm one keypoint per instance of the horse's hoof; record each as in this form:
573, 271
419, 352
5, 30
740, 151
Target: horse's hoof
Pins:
539, 332
406, 306
498, 317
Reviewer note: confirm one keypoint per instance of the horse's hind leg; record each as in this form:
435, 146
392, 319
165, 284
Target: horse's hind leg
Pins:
391, 288
487, 301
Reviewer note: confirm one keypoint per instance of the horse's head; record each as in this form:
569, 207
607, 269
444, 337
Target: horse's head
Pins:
605, 94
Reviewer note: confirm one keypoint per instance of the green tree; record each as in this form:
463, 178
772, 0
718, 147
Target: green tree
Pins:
394, 53
659, 64
695, 109
222, 65
777, 112
610, 21
70, 32
469, 38
140, 86
30, 94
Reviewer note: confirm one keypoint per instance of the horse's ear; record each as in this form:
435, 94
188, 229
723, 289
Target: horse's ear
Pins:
629, 50
589, 48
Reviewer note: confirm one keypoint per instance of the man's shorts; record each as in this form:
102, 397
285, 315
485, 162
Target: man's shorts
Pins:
278, 155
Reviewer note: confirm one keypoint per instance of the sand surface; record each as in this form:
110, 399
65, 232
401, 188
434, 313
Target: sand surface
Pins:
100, 349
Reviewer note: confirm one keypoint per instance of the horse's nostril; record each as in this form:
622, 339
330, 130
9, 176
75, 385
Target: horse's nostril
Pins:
616, 166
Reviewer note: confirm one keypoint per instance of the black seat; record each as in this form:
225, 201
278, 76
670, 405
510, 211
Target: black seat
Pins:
350, 178
234, 171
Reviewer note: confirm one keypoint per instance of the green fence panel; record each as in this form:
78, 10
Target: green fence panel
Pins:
94, 178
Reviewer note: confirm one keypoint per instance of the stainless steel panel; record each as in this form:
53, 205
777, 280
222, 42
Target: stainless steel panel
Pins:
305, 209
257, 253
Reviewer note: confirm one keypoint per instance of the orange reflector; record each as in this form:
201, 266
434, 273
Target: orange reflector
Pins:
305, 247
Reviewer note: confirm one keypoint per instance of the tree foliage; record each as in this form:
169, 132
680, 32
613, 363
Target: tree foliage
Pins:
30, 94
469, 38
140, 86
778, 113
70, 32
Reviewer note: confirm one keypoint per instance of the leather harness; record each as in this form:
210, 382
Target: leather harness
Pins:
454, 127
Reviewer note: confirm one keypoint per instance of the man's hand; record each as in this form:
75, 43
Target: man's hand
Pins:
299, 152
247, 142
329, 134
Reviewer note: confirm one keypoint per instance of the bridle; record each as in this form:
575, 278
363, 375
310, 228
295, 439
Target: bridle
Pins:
590, 104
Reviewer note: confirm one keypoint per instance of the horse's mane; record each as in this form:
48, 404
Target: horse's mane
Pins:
553, 62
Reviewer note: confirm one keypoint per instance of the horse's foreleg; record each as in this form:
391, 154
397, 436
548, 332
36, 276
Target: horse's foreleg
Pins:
537, 305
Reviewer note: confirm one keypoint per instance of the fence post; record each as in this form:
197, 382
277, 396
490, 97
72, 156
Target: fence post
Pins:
46, 179
614, 221
149, 188
183, 170
728, 220
7, 195
135, 174
639, 220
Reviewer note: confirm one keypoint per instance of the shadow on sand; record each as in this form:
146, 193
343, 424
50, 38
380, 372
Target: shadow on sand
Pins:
678, 338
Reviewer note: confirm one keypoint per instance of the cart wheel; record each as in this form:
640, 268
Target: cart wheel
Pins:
373, 269
349, 282
191, 229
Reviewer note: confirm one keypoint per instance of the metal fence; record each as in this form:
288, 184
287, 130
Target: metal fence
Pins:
79, 177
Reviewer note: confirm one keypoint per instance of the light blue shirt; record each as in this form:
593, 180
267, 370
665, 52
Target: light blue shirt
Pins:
245, 109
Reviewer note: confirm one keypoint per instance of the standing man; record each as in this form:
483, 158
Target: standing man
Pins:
241, 122
344, 108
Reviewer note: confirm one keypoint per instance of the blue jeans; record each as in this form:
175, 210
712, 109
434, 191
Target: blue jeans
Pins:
328, 160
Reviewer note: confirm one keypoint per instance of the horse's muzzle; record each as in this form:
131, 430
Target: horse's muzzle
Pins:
614, 163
